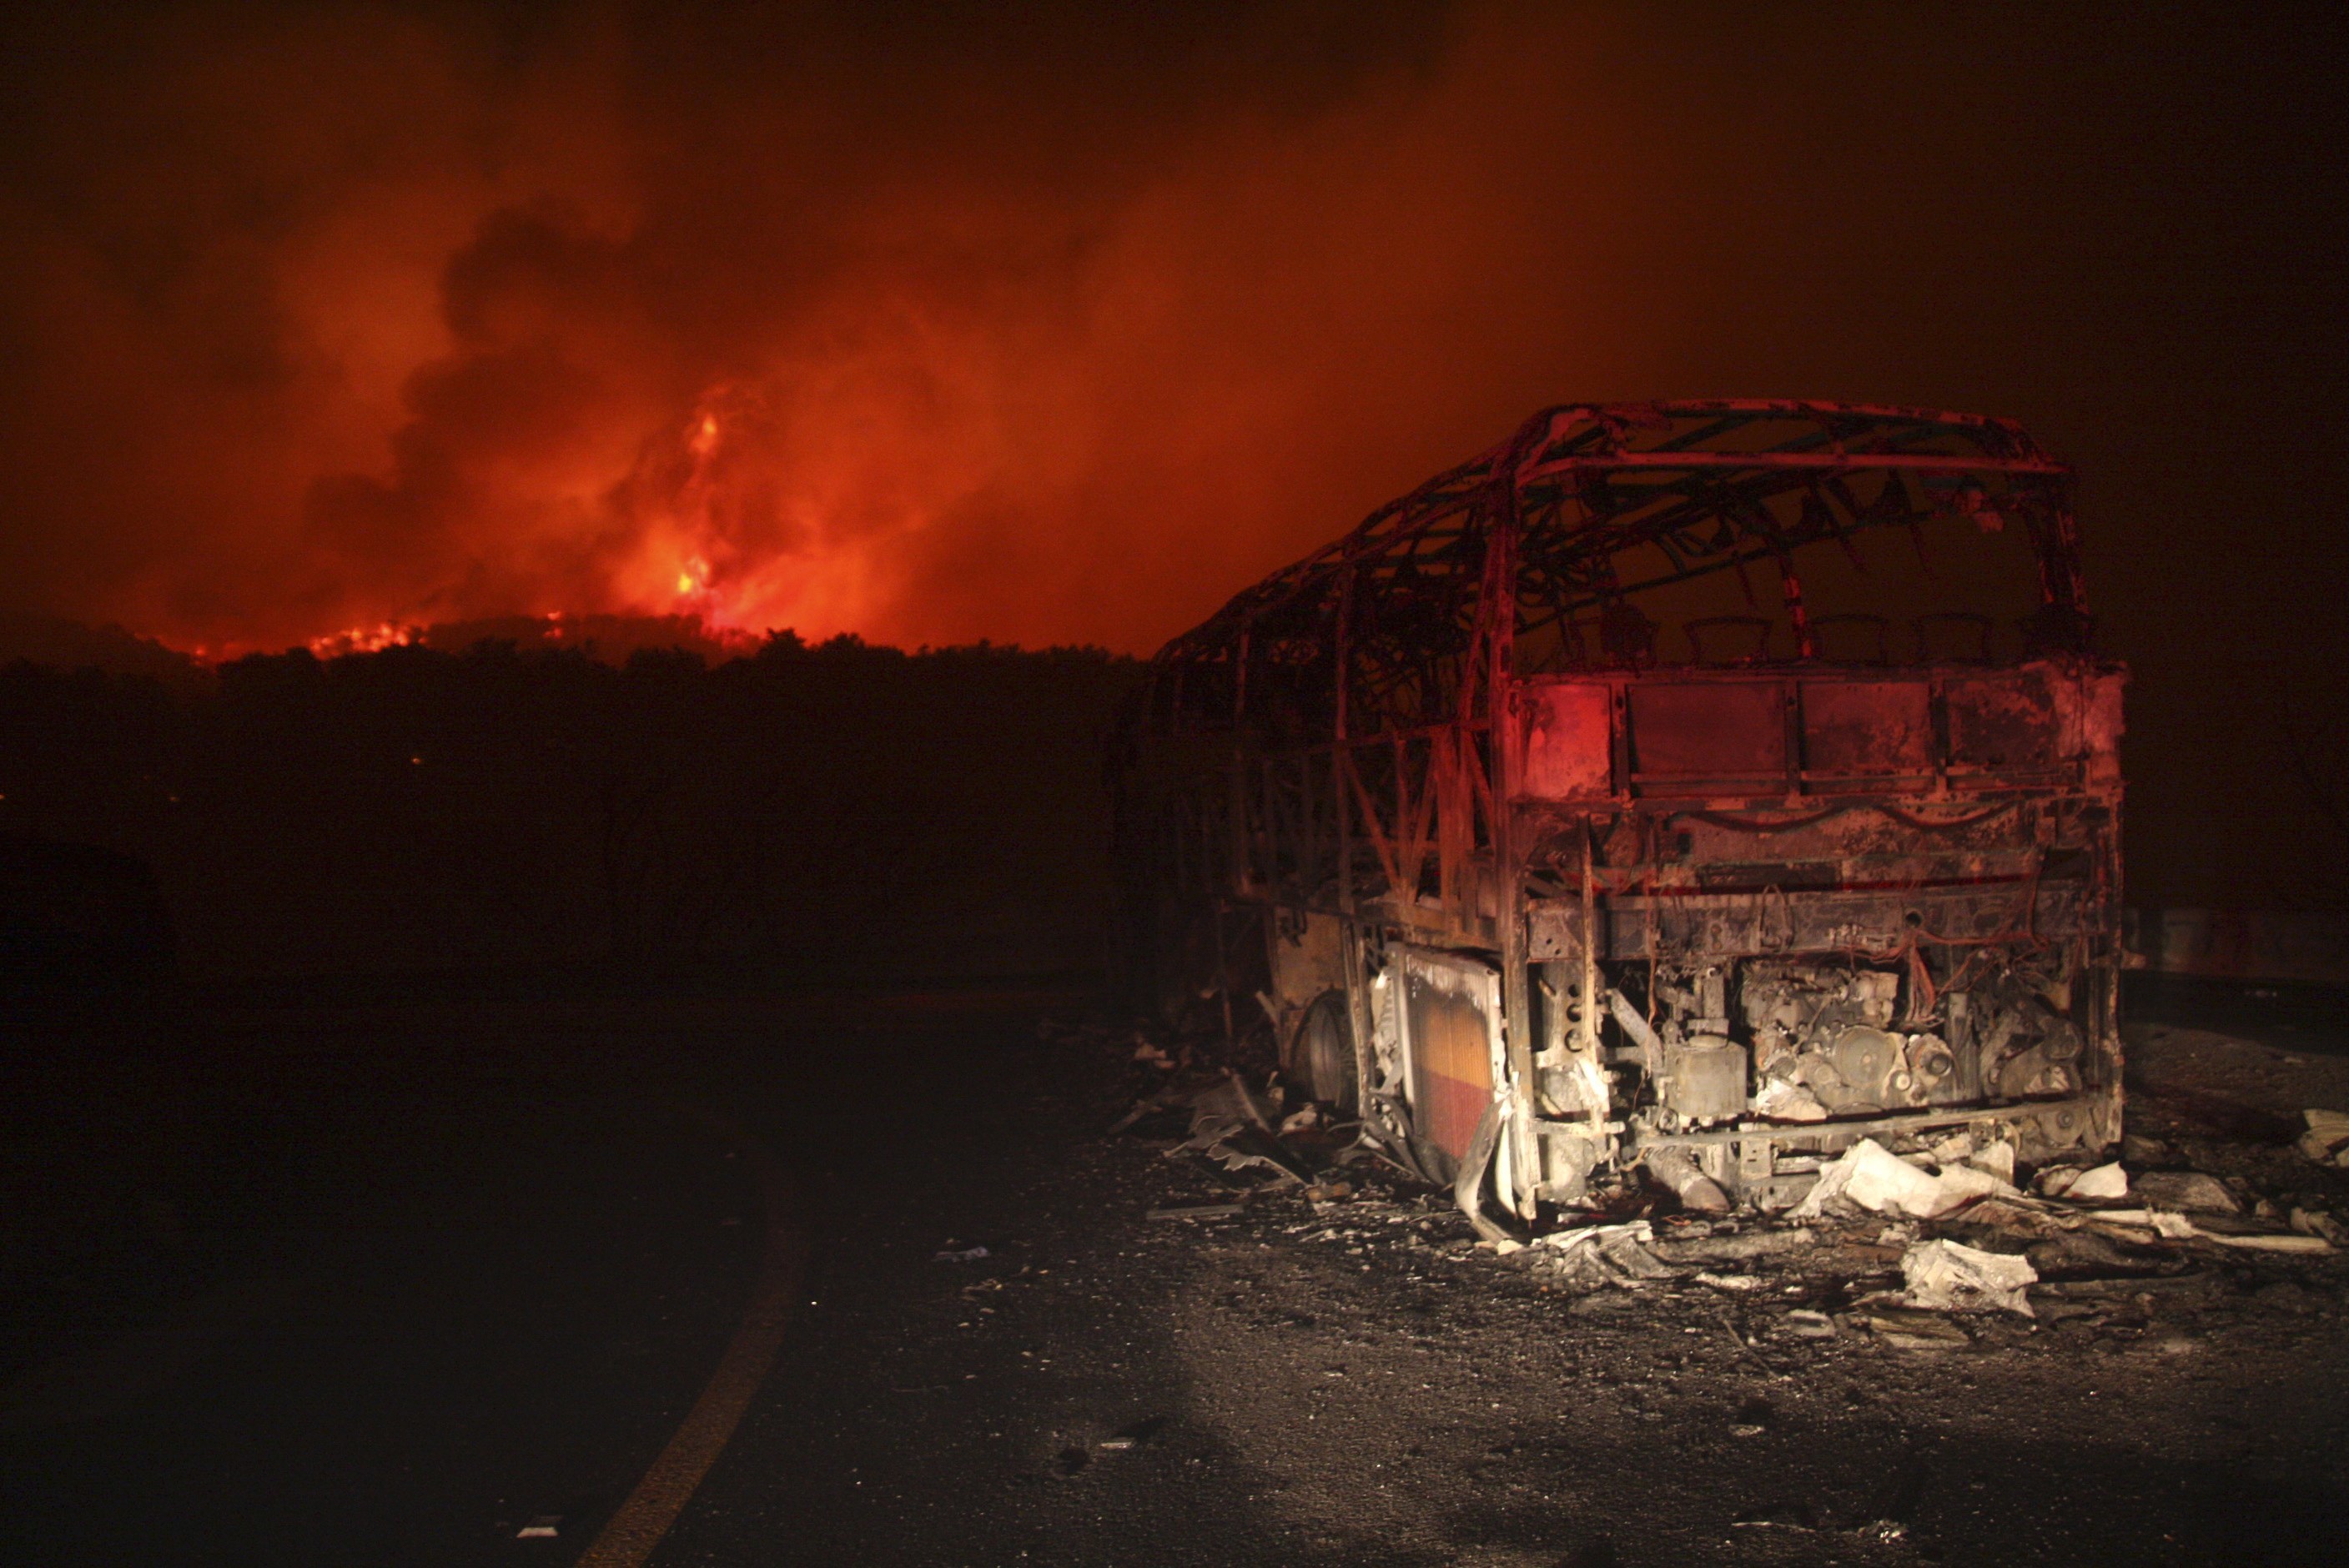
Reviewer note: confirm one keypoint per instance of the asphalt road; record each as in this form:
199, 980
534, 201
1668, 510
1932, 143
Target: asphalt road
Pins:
388, 1276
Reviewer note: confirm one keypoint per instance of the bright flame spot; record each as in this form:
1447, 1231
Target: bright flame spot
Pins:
705, 436
693, 576
364, 640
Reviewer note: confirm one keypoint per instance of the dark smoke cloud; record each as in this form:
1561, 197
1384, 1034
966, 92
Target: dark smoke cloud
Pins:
1051, 323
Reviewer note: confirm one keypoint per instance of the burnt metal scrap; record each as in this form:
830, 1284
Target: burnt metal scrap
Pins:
1553, 892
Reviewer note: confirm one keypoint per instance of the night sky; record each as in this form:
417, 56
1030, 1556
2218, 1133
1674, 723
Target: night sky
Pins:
934, 323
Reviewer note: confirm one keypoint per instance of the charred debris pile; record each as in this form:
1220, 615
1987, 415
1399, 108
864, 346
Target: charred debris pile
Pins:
1916, 1243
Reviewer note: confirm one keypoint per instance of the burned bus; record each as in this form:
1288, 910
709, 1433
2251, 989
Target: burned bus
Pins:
1680, 790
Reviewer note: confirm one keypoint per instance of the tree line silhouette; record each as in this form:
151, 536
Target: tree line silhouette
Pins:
818, 812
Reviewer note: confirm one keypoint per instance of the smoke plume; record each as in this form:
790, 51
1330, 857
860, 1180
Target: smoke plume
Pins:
1042, 324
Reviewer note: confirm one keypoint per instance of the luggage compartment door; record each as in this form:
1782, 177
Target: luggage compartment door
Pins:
1452, 1053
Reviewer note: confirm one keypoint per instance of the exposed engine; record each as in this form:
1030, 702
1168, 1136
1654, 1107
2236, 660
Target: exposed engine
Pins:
1802, 1040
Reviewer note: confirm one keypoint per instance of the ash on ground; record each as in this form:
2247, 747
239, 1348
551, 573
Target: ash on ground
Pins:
1274, 1347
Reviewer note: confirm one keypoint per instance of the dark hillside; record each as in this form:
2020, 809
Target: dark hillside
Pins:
832, 811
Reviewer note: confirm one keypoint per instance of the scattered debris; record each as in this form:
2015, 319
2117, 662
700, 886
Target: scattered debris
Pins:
1948, 1276
2178, 1228
1730, 1281
1698, 1192
2053, 1180
1232, 1128
1783, 1101
2267, 1240
1997, 1161
1567, 1241
958, 1256
1870, 1176
1199, 1212
1912, 1329
1596, 1256
2190, 1191
1134, 1435
1956, 1237
2105, 1181
2161, 1222
1757, 1243
2326, 1141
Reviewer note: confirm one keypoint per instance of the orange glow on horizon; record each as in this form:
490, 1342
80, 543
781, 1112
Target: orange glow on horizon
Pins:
336, 322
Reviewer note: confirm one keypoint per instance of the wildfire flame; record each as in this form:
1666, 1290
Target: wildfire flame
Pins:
364, 640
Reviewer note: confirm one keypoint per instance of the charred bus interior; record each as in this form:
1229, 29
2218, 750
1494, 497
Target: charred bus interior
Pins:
1679, 792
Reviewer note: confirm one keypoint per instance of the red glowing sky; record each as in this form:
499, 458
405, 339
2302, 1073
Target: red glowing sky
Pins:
1019, 324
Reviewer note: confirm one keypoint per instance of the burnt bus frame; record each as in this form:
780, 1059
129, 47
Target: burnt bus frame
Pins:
1357, 741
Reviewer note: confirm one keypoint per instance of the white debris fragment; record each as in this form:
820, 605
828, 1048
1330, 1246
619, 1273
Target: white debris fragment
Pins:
545, 1526
1871, 1176
2178, 1228
1804, 1323
2160, 1222
1963, 1183
1945, 1276
2102, 1183
1807, 1325
1611, 1254
1998, 1161
1783, 1101
1874, 1178
1960, 1149
1567, 1241
2055, 1180
2326, 1141
1730, 1282
2267, 1240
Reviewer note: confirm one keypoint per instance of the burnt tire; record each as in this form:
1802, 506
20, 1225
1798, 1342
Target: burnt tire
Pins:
1324, 1055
